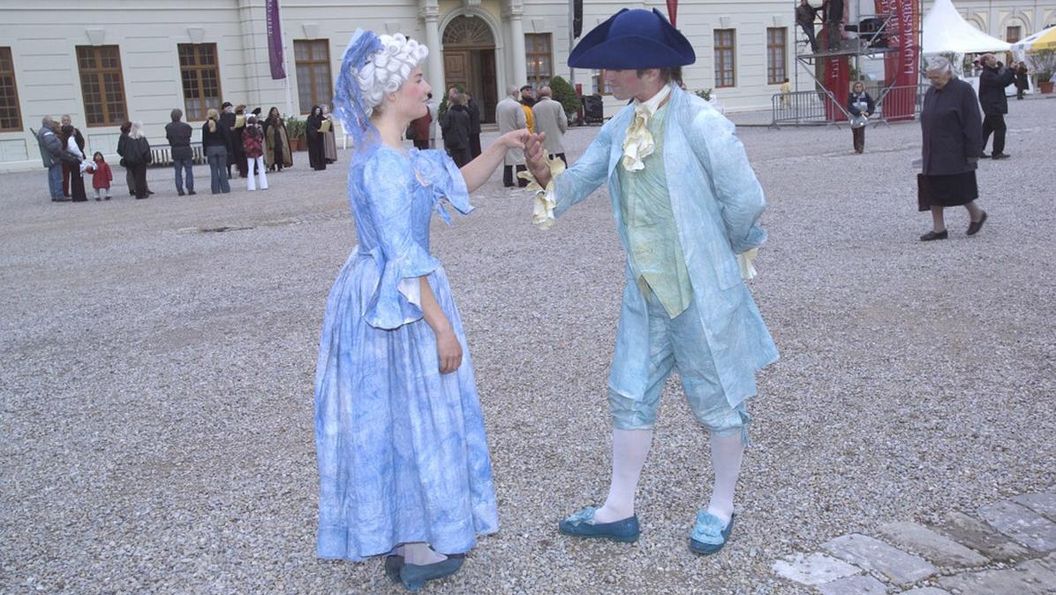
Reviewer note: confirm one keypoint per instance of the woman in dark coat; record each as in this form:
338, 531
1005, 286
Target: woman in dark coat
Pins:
316, 143
137, 158
952, 127
276, 142
861, 106
1022, 82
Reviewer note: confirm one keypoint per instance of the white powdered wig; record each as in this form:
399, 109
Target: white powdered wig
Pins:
389, 68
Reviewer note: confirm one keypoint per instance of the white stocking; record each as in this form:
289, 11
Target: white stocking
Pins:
727, 452
629, 450
419, 554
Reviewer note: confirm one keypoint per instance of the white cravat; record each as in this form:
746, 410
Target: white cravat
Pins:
638, 144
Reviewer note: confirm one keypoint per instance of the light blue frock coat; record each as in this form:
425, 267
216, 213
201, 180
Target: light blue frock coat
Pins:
717, 202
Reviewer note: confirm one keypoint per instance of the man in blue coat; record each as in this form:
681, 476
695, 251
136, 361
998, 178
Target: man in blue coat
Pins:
686, 203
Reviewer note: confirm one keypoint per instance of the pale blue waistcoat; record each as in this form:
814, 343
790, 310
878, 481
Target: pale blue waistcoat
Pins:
655, 254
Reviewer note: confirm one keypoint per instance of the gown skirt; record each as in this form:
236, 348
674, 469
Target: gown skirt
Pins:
401, 448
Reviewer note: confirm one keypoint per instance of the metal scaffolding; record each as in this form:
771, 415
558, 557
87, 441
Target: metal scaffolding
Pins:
820, 106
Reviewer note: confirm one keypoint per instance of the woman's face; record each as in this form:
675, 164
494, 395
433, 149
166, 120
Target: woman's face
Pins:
938, 78
273, 113
858, 88
411, 97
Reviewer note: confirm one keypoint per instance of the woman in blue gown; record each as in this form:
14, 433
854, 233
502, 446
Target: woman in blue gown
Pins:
404, 469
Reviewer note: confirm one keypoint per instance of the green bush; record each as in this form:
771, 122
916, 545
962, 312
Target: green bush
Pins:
564, 94
296, 128
704, 94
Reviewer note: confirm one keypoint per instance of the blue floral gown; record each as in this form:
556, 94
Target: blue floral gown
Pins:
401, 448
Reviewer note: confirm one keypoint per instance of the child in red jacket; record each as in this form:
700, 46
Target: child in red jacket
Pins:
101, 176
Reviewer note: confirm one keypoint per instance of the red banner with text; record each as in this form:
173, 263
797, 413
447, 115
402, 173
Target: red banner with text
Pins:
902, 66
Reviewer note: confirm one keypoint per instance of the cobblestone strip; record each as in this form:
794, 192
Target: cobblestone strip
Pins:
1022, 525
1014, 551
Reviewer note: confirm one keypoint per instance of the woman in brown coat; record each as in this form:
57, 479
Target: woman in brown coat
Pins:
276, 142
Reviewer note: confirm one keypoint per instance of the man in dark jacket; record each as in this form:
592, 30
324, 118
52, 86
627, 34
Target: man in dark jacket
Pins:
805, 17
992, 82
454, 125
834, 22
227, 120
179, 135
50, 150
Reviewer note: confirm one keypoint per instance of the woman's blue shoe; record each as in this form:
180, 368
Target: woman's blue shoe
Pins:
393, 564
414, 576
709, 533
581, 524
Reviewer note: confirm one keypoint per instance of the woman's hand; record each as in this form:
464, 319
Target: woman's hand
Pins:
448, 351
515, 139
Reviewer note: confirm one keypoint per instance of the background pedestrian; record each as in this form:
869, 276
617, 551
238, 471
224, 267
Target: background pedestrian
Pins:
215, 140
253, 146
276, 142
102, 176
179, 136
953, 140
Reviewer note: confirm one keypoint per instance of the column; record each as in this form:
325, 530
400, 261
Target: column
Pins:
435, 67
519, 62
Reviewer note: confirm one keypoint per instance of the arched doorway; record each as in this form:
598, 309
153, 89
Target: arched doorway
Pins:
469, 61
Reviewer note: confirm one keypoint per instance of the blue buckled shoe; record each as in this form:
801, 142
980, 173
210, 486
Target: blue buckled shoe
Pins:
581, 524
709, 533
414, 576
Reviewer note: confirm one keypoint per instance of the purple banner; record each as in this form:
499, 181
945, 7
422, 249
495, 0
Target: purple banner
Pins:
278, 66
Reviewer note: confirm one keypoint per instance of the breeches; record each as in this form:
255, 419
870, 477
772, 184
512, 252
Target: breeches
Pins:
676, 343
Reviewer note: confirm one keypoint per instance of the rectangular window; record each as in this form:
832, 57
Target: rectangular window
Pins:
725, 70
314, 85
1013, 34
102, 85
539, 53
776, 55
200, 72
10, 114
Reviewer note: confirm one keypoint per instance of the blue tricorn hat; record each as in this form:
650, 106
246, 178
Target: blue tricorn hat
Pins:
636, 38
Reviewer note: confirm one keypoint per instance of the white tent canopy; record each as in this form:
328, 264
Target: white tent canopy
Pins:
945, 31
1021, 47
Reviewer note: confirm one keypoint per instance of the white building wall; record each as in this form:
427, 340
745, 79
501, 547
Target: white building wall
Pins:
43, 37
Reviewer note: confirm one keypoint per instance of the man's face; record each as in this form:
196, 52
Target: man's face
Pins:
625, 84
526, 93
66, 121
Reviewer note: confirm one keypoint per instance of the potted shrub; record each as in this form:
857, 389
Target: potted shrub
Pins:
1043, 63
296, 130
565, 94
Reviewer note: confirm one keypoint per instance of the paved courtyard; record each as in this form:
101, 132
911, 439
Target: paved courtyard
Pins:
156, 429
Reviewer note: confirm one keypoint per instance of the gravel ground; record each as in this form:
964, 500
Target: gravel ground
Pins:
157, 379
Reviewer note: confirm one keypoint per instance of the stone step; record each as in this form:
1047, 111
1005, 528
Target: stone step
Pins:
854, 585
973, 533
814, 569
1034, 577
1021, 524
926, 591
1043, 503
876, 556
937, 549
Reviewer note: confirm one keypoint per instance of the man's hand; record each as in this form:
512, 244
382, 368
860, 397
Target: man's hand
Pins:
535, 156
